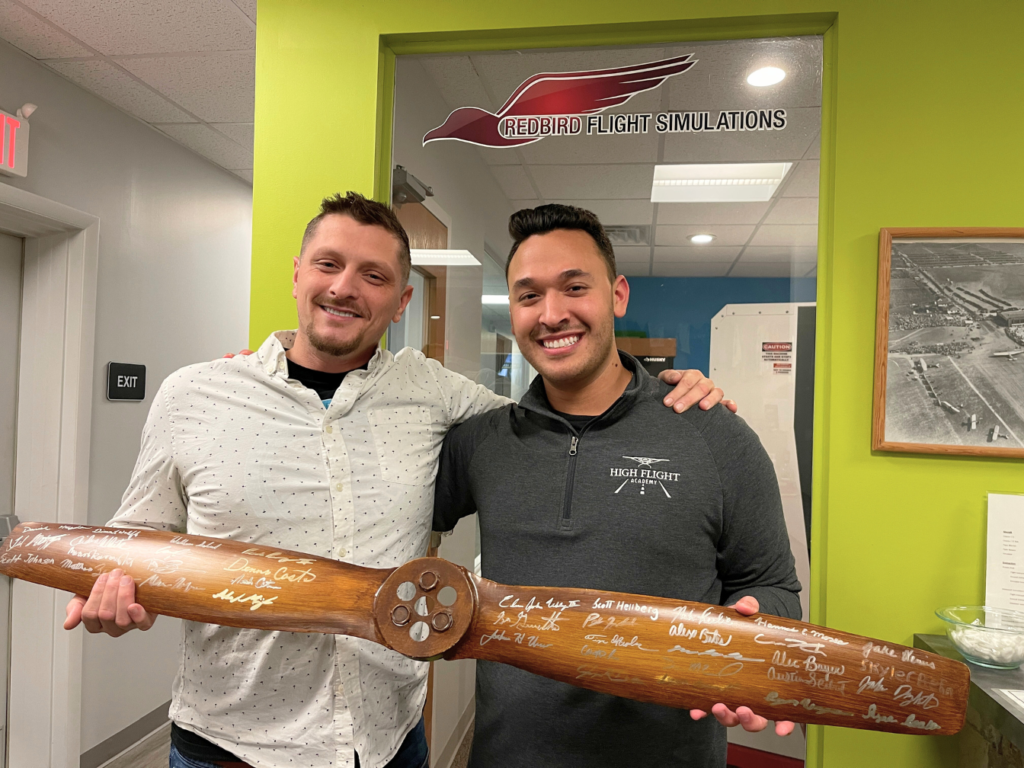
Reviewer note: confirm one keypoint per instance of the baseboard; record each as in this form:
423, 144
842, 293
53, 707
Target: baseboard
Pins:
125, 739
447, 755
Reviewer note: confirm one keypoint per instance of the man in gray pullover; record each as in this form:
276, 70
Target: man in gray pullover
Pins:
586, 483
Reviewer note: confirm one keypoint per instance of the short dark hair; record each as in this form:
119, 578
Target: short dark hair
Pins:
547, 218
365, 212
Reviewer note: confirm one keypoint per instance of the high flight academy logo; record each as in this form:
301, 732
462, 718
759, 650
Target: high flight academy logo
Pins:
569, 103
644, 475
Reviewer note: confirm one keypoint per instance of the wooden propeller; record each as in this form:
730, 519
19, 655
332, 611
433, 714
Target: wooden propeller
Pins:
670, 652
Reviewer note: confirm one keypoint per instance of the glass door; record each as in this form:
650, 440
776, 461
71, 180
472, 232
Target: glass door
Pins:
701, 159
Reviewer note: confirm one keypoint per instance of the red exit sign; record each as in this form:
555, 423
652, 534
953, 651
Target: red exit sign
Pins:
14, 147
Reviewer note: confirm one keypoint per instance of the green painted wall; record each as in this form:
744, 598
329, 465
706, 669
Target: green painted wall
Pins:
923, 126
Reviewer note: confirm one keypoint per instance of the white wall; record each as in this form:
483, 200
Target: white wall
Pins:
173, 289
466, 191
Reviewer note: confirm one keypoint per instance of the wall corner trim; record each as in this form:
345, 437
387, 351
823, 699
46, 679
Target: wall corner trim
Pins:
127, 738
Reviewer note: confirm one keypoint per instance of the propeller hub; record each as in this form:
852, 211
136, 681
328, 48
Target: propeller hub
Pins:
425, 607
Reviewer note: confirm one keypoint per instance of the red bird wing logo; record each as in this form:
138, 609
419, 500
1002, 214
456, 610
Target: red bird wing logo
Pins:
557, 94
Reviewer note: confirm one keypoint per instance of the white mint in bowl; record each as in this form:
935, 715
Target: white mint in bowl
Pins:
992, 637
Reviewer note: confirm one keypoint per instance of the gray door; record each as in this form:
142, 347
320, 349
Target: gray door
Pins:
10, 332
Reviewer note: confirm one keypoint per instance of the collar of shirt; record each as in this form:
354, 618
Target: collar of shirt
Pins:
273, 359
536, 399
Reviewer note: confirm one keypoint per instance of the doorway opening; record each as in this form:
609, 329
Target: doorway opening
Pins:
51, 251
702, 161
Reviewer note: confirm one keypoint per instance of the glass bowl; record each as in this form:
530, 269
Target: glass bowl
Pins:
991, 637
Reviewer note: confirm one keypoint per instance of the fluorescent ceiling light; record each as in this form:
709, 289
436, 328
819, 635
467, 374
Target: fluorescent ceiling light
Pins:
701, 239
422, 257
718, 183
495, 298
766, 76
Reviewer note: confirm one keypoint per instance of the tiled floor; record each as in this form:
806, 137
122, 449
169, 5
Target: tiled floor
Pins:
151, 753
462, 756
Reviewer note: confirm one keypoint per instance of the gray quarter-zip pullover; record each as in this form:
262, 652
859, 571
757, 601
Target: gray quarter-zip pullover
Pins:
639, 500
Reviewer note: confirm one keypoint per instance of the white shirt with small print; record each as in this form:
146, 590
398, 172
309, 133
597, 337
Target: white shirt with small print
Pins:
236, 449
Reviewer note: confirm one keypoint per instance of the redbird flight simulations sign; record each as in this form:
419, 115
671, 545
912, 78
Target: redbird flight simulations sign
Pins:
572, 103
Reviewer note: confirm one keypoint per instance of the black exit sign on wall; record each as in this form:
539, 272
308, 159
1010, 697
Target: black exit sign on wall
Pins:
126, 381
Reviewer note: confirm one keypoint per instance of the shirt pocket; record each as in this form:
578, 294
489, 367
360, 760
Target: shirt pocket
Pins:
405, 442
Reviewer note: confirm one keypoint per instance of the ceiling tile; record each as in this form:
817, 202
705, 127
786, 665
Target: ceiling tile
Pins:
110, 83
633, 253
719, 78
634, 269
513, 181
494, 156
695, 254
34, 36
711, 213
724, 234
779, 253
787, 144
248, 7
794, 210
210, 144
241, 133
494, 282
496, 287
244, 174
217, 87
619, 212
457, 80
579, 150
771, 269
814, 149
117, 27
786, 234
518, 205
594, 182
690, 269
803, 180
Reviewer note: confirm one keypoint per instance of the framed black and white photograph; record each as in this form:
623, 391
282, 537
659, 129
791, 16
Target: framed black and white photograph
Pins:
949, 342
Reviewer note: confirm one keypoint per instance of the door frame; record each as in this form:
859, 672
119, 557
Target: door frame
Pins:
390, 46
55, 384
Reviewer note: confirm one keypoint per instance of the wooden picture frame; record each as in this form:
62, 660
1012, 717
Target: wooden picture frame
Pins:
948, 376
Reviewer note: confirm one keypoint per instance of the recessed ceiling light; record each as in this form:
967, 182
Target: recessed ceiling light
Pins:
423, 257
718, 183
766, 76
495, 298
701, 239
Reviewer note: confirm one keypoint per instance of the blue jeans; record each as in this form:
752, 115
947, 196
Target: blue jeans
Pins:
412, 753
178, 760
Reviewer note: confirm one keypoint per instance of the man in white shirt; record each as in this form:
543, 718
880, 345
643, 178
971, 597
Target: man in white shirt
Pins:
320, 442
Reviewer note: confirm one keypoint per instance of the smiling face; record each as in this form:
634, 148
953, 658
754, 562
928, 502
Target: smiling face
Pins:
563, 306
348, 287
